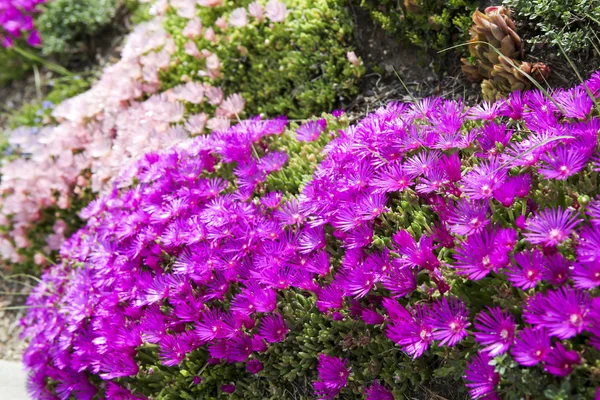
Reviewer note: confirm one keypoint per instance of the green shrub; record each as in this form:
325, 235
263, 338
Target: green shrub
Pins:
37, 112
68, 25
14, 67
297, 67
432, 25
570, 23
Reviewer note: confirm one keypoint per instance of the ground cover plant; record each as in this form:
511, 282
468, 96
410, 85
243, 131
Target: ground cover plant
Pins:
572, 24
55, 168
16, 21
282, 57
431, 25
432, 241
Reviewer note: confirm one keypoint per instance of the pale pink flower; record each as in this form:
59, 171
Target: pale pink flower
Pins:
192, 92
276, 10
40, 259
214, 66
218, 124
193, 28
257, 11
196, 123
214, 95
353, 58
221, 22
234, 105
209, 34
184, 8
210, 3
238, 17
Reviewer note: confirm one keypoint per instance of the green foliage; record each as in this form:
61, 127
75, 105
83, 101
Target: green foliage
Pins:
297, 67
570, 23
36, 112
68, 25
290, 366
303, 158
432, 25
14, 66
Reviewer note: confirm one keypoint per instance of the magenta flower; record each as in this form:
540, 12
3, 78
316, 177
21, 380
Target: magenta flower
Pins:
212, 326
273, 328
227, 388
562, 163
561, 361
563, 312
254, 366
393, 178
586, 275
450, 319
556, 269
481, 377
532, 346
333, 376
551, 227
469, 217
496, 331
593, 211
575, 102
310, 131
422, 163
480, 254
412, 332
527, 270
378, 392
588, 250
484, 180
486, 110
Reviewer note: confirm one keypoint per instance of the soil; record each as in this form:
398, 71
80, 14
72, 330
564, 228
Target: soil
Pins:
393, 67
13, 293
101, 50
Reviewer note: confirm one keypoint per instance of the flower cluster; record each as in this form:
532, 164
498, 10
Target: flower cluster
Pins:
431, 198
455, 232
16, 20
160, 260
126, 114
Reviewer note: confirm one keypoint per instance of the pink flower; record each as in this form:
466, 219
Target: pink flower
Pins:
234, 104
276, 10
221, 22
257, 11
353, 58
191, 49
210, 3
192, 29
209, 34
238, 17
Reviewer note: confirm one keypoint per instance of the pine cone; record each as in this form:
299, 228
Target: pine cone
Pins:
412, 6
496, 28
505, 78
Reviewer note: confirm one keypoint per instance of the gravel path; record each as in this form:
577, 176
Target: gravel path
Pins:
12, 381
13, 293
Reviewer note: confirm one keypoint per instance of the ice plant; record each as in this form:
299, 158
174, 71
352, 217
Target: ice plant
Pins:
248, 257
481, 377
333, 375
16, 21
495, 330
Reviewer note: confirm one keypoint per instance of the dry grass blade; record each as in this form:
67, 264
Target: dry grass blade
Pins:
587, 89
531, 150
512, 64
